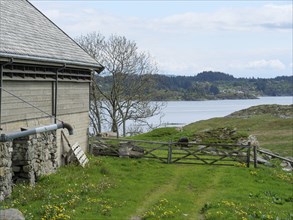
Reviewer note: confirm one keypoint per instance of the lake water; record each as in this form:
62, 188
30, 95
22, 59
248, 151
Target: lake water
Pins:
180, 113
185, 112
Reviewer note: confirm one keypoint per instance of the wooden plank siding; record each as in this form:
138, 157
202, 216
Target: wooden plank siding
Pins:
80, 124
37, 93
72, 98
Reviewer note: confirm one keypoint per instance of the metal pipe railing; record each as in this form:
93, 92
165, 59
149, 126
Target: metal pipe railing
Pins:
10, 137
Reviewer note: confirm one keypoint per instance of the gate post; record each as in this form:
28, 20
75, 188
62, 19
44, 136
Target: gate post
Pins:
255, 156
169, 159
248, 155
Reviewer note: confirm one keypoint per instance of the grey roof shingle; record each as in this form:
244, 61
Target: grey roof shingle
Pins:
26, 33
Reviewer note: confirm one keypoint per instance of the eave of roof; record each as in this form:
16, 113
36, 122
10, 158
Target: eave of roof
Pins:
20, 58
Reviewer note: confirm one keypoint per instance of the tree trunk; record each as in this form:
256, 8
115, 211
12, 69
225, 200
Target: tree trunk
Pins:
124, 128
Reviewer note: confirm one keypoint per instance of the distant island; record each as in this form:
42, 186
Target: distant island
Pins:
213, 86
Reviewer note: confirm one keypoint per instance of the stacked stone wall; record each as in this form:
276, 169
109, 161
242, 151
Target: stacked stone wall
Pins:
34, 156
5, 170
26, 159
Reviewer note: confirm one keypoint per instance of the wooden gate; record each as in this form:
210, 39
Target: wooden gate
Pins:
187, 153
210, 154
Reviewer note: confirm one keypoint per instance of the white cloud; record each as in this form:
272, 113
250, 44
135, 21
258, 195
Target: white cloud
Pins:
260, 64
232, 19
184, 67
53, 13
245, 19
274, 64
177, 67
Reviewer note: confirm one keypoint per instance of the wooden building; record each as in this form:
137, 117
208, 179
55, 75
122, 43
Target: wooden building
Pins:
44, 74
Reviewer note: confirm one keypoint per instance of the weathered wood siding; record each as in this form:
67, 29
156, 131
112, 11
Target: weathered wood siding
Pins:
73, 108
37, 93
80, 123
72, 98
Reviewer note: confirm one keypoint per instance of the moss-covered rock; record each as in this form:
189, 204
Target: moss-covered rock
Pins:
281, 111
220, 135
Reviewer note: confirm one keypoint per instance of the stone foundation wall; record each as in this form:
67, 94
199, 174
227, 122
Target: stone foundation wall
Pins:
26, 159
5, 169
34, 156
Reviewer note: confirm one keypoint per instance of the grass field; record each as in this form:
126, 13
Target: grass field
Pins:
272, 133
122, 188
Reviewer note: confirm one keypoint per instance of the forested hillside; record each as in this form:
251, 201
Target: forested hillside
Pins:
214, 85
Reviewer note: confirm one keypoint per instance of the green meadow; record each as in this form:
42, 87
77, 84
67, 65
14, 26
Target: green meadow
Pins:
124, 188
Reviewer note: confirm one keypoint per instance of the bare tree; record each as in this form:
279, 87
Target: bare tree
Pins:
96, 116
129, 70
92, 43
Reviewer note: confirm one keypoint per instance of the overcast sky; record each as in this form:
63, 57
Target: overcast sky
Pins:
242, 38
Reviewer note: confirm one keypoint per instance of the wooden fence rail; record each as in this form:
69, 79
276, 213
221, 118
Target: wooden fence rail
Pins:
274, 155
188, 153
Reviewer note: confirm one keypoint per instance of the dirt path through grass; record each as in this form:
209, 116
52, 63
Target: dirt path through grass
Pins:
158, 193
205, 195
205, 189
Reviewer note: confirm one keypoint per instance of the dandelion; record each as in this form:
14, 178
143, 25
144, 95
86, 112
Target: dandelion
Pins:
253, 173
240, 165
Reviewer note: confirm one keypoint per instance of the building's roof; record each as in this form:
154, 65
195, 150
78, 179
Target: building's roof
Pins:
26, 33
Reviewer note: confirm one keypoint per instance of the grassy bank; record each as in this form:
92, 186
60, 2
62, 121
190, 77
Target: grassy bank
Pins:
121, 188
116, 188
273, 132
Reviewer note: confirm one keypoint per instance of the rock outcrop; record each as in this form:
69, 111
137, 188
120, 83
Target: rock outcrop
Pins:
123, 149
11, 214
